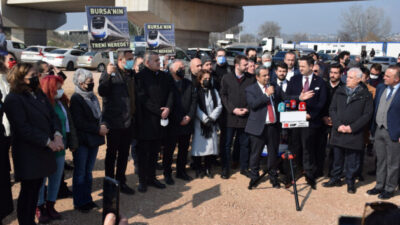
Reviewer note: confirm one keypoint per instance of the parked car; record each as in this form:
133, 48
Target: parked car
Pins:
15, 48
325, 58
65, 58
385, 61
279, 56
94, 60
203, 51
81, 46
243, 48
230, 56
35, 53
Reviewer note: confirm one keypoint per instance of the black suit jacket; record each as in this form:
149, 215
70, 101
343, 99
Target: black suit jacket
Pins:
153, 91
233, 96
185, 103
314, 105
257, 102
87, 126
33, 121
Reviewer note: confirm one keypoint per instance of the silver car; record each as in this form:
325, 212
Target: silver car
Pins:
35, 53
94, 60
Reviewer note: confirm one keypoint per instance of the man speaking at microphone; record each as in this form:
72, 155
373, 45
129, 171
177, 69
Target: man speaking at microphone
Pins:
311, 89
262, 124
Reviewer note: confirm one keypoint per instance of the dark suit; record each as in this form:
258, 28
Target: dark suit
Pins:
33, 122
304, 140
233, 96
185, 103
153, 91
262, 134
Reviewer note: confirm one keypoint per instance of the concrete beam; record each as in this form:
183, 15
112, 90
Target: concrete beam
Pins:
29, 36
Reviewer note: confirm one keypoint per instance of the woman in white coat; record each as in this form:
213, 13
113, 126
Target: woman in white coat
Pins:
205, 139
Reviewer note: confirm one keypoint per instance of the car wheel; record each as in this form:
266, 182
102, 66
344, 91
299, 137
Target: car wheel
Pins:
101, 67
70, 66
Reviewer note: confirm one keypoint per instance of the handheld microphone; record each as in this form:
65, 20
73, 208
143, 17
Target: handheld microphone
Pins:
281, 107
293, 104
302, 106
287, 105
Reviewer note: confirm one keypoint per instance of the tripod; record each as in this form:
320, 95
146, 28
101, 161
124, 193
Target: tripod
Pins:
289, 156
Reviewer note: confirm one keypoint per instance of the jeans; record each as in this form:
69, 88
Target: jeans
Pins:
84, 159
243, 144
54, 182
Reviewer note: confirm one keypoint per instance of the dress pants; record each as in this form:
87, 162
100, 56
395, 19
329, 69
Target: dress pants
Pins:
118, 143
147, 152
388, 161
183, 142
320, 153
27, 200
348, 160
304, 144
269, 137
244, 147
6, 201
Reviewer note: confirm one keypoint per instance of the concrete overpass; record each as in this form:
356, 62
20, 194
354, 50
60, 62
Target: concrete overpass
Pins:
194, 19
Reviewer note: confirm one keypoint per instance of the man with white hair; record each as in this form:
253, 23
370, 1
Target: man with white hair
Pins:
351, 110
267, 60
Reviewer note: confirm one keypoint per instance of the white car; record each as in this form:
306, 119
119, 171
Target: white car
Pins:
63, 57
35, 53
15, 48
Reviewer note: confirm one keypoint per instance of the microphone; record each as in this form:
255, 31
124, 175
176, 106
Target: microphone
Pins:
281, 107
302, 106
268, 85
293, 104
287, 105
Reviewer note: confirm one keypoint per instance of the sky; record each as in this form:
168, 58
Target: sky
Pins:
313, 18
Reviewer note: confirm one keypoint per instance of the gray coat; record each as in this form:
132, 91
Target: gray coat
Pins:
357, 113
200, 145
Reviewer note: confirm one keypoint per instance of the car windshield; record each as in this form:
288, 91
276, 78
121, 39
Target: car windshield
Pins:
90, 53
32, 49
381, 59
59, 51
280, 54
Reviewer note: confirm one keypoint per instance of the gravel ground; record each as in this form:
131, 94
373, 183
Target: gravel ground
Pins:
217, 201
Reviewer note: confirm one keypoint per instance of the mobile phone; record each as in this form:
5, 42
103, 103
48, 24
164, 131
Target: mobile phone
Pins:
111, 198
349, 220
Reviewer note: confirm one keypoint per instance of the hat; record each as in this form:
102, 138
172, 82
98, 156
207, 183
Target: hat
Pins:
204, 59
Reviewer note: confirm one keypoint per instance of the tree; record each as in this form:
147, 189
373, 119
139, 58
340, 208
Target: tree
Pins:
269, 29
370, 24
248, 38
298, 37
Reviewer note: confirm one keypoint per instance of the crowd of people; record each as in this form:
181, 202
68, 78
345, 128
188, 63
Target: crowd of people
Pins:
225, 116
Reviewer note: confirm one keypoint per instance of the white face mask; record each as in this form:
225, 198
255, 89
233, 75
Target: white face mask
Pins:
60, 93
267, 64
373, 76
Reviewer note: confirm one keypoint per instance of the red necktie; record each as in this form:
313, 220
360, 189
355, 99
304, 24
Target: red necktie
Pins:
306, 85
271, 115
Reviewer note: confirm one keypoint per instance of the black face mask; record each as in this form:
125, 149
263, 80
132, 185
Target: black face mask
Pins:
253, 58
33, 82
180, 73
141, 67
207, 84
346, 62
90, 87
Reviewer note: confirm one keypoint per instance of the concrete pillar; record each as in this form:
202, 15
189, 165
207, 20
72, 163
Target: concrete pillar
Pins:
29, 36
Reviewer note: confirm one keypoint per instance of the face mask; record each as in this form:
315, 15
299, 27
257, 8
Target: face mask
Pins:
90, 87
141, 67
206, 84
33, 82
221, 60
267, 64
347, 61
60, 93
180, 73
129, 64
11, 64
169, 61
253, 58
374, 76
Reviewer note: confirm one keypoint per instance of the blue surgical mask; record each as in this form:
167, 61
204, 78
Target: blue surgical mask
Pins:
221, 59
60, 93
129, 64
267, 64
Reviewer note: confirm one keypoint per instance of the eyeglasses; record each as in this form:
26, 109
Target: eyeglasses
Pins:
377, 206
316, 71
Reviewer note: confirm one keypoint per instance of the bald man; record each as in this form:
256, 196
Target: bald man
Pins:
195, 67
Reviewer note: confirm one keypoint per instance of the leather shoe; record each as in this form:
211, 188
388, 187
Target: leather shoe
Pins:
209, 174
351, 189
199, 173
311, 182
126, 189
142, 188
245, 173
275, 183
374, 191
225, 174
252, 183
332, 183
169, 180
385, 195
184, 176
157, 184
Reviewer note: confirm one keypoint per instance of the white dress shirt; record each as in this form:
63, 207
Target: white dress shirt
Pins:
262, 87
310, 77
283, 84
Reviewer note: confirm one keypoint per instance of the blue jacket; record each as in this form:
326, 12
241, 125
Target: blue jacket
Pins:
257, 103
393, 119
314, 105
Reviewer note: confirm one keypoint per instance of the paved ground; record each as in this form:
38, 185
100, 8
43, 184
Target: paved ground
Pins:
217, 201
